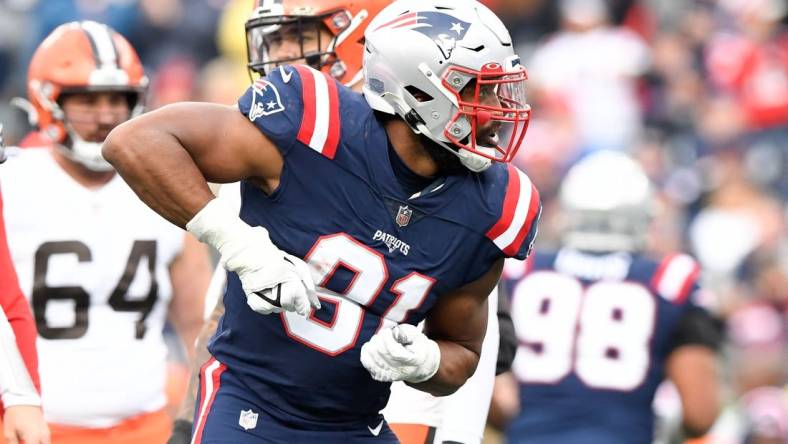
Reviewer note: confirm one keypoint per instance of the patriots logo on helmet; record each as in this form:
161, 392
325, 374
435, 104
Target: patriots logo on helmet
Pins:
444, 29
265, 100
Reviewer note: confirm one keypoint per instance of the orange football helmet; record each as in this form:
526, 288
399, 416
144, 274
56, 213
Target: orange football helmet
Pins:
346, 20
81, 57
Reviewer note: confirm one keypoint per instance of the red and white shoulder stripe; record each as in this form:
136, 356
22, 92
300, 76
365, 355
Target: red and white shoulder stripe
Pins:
320, 122
520, 209
675, 277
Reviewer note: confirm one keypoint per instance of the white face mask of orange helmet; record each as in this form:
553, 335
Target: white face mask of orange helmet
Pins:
86, 153
325, 34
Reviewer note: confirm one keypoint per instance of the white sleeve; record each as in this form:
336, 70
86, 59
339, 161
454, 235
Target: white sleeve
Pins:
230, 193
16, 387
464, 413
215, 290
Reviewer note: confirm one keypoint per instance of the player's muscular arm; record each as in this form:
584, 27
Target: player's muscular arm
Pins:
190, 274
167, 156
441, 359
693, 369
457, 322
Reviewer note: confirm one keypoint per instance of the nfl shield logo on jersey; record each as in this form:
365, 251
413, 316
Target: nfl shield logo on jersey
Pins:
265, 100
403, 215
248, 419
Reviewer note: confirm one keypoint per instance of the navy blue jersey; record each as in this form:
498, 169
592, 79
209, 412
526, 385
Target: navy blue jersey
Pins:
594, 332
379, 256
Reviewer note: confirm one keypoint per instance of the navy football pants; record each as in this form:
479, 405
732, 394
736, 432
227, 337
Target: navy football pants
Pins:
224, 414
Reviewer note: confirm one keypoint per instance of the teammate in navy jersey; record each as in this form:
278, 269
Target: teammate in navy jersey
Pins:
359, 219
600, 325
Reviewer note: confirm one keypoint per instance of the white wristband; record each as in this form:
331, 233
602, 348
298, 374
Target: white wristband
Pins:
242, 247
215, 223
11, 399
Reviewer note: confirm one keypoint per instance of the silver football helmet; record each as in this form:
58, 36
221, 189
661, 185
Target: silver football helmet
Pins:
607, 203
420, 54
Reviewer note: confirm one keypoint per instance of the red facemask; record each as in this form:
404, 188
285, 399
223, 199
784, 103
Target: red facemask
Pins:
498, 112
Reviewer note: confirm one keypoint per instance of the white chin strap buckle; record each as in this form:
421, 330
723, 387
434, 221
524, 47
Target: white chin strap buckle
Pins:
87, 153
473, 161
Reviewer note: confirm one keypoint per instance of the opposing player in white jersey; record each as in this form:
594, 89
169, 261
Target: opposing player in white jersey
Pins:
102, 272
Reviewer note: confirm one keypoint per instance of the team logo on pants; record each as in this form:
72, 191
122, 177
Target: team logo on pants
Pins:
248, 419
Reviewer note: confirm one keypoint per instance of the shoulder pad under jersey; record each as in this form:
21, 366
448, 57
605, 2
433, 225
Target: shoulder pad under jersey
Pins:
517, 211
295, 104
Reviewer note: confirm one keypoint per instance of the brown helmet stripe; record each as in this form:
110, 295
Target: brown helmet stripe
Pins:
100, 37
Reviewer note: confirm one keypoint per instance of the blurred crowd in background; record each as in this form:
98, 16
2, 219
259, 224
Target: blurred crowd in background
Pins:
696, 90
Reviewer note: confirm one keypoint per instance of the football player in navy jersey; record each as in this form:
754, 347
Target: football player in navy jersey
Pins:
360, 217
600, 325
328, 36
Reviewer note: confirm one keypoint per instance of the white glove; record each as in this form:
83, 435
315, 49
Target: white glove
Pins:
401, 353
273, 280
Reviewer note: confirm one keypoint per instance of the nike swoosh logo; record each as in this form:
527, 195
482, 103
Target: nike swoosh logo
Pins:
285, 74
277, 301
376, 430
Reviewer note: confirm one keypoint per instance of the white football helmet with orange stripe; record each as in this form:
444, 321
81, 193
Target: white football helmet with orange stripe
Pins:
345, 20
80, 57
419, 56
607, 203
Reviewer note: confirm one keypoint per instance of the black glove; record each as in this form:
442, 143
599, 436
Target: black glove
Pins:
181, 432
507, 347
